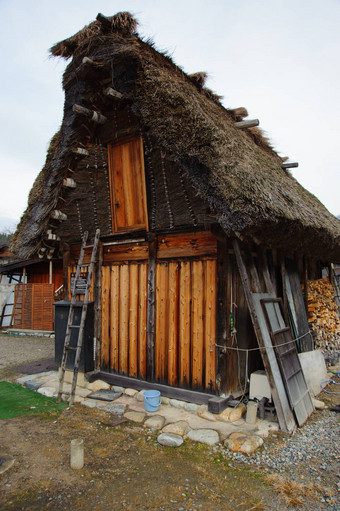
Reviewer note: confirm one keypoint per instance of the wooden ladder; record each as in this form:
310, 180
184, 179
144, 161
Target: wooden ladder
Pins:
70, 322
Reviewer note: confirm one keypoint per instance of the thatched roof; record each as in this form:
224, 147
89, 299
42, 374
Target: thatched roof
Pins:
235, 171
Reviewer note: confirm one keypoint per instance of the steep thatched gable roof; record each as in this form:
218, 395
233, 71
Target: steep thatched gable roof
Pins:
236, 172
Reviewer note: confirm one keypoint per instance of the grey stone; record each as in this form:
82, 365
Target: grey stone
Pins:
191, 407
204, 436
116, 408
32, 385
155, 422
135, 416
170, 440
176, 403
105, 395
116, 388
165, 400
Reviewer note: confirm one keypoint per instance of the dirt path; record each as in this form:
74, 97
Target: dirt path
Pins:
126, 469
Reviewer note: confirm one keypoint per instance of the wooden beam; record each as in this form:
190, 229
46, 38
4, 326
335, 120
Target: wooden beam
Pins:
165, 390
290, 165
66, 263
90, 62
80, 151
90, 114
58, 215
112, 93
68, 182
247, 124
150, 342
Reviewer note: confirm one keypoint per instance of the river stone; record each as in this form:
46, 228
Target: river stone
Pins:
232, 414
191, 407
116, 408
318, 405
140, 395
98, 385
135, 416
176, 403
155, 422
177, 428
131, 392
165, 400
241, 442
170, 440
204, 436
202, 412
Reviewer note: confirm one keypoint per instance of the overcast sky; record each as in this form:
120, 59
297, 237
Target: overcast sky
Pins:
277, 58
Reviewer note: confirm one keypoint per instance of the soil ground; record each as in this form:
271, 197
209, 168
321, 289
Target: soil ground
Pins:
125, 468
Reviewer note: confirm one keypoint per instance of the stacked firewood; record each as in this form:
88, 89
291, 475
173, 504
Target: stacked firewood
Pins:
323, 317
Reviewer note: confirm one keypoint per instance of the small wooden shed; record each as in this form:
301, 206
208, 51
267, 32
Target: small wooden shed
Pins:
197, 215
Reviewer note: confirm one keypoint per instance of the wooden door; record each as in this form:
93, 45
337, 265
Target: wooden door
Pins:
186, 323
123, 328
127, 183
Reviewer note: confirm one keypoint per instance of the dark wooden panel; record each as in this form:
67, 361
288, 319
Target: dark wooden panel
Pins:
186, 245
125, 252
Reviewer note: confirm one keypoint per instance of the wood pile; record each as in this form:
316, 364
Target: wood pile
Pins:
323, 318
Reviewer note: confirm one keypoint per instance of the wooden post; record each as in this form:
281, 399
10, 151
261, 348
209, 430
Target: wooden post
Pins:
112, 93
66, 263
247, 124
97, 306
151, 308
50, 277
90, 114
221, 319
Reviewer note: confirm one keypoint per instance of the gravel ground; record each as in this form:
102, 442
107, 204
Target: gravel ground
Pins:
18, 349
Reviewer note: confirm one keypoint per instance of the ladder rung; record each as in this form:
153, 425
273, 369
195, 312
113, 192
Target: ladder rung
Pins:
88, 246
74, 326
71, 348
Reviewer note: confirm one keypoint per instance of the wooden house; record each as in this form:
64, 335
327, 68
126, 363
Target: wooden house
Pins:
197, 215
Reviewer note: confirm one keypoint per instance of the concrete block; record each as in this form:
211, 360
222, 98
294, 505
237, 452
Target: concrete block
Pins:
314, 369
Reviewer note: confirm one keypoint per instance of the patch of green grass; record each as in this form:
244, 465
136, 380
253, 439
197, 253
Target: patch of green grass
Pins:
16, 400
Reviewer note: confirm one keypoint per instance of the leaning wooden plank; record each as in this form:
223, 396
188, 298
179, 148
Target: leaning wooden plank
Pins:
142, 318
184, 324
133, 321
283, 410
124, 319
197, 324
105, 335
173, 324
114, 317
210, 324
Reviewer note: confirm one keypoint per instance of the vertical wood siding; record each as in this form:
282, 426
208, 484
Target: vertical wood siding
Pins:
123, 337
185, 326
186, 323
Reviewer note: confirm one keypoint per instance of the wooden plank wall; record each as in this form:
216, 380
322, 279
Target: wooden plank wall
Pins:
124, 318
186, 323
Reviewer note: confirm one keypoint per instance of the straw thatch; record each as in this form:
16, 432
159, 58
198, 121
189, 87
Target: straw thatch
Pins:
236, 173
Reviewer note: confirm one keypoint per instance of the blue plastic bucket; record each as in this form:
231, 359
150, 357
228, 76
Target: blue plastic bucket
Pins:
152, 400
